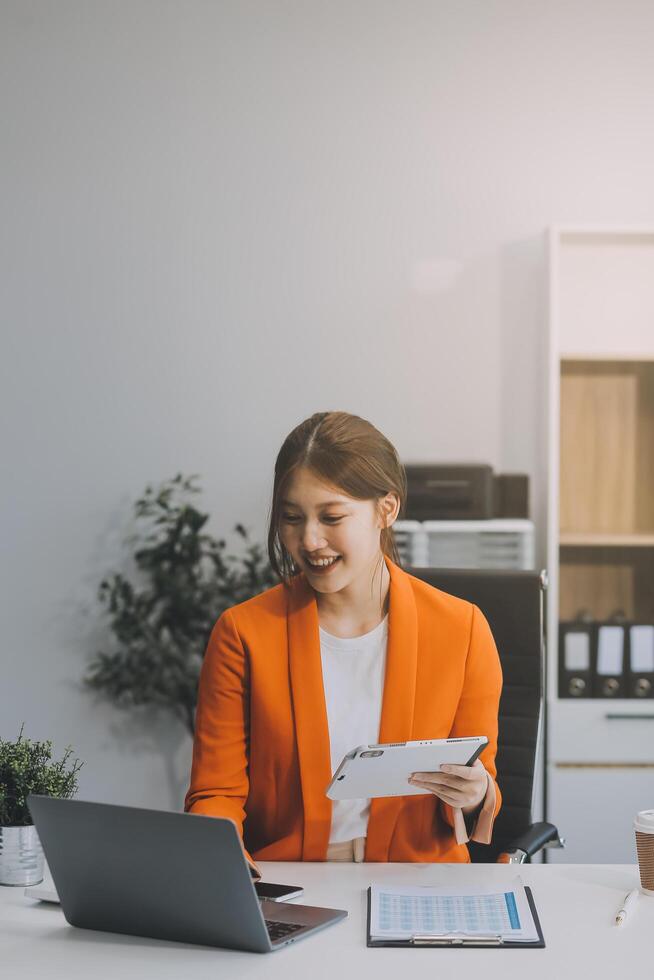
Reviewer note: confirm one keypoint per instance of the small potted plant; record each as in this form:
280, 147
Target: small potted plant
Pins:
27, 767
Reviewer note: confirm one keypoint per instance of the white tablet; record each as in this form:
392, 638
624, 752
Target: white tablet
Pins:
371, 771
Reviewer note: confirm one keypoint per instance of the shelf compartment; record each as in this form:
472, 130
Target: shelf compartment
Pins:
605, 295
603, 580
588, 733
606, 449
612, 796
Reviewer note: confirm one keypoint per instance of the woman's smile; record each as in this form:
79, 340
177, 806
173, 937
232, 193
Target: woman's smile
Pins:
321, 565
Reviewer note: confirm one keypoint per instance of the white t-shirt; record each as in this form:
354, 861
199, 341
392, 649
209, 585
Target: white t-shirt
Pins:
353, 679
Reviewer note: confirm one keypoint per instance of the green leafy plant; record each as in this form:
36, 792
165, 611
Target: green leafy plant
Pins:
163, 623
26, 767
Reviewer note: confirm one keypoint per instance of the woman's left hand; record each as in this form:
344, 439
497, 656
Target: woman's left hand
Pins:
460, 786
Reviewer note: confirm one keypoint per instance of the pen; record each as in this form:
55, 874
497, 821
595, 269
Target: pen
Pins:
621, 914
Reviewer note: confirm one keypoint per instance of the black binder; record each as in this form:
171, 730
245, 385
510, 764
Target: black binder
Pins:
640, 678
460, 942
610, 684
576, 678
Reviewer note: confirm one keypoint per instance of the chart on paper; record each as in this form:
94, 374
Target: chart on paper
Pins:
405, 911
496, 913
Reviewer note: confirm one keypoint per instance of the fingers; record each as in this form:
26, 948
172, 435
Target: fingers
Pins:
456, 785
473, 773
441, 792
433, 782
447, 778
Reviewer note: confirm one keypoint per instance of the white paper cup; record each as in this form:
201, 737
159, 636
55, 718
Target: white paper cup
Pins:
644, 829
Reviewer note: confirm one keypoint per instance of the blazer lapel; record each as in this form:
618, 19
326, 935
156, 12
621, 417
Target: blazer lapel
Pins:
311, 725
396, 723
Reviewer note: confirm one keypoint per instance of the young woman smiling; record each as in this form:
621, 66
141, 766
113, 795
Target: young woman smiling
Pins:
348, 649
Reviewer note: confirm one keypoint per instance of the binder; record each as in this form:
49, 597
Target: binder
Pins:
576, 659
609, 678
458, 941
640, 661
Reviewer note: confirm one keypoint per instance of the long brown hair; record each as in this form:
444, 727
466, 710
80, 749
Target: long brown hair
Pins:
346, 452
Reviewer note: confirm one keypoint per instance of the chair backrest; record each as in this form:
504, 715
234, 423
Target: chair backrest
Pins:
513, 604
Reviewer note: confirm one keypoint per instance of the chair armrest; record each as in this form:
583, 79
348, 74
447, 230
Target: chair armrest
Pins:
538, 836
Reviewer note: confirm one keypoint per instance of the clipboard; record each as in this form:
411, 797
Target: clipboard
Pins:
458, 941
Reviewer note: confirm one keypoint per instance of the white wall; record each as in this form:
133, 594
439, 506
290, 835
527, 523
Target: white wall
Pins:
218, 218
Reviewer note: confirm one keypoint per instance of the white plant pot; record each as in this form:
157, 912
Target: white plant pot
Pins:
21, 856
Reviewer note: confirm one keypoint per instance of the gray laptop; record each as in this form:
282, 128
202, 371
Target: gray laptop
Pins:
166, 875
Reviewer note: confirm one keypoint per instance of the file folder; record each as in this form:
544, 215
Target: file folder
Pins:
640, 671
576, 659
609, 679
459, 940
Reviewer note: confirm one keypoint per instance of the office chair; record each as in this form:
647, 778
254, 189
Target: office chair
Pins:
513, 604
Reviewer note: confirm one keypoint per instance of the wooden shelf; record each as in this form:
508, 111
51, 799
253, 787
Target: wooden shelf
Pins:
603, 540
599, 356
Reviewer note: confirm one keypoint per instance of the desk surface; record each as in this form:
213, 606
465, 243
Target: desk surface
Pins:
576, 906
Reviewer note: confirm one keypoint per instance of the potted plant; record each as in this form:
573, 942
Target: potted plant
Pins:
27, 767
162, 618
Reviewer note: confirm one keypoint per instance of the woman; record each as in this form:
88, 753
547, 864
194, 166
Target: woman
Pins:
348, 649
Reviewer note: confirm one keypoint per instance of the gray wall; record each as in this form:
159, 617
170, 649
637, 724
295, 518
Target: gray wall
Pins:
218, 218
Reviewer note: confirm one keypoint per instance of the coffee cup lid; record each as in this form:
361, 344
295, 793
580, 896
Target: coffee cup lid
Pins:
644, 822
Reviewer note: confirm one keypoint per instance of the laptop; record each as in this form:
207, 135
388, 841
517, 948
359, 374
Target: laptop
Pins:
165, 875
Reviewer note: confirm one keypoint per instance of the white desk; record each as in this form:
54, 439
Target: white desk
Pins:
576, 906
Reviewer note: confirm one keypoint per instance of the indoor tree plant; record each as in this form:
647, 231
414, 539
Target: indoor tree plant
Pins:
163, 621
27, 767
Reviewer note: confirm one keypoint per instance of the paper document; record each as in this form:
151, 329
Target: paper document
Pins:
402, 912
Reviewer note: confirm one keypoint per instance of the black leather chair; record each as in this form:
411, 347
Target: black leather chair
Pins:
513, 603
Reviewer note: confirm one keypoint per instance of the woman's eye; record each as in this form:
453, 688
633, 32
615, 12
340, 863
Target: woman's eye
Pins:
327, 519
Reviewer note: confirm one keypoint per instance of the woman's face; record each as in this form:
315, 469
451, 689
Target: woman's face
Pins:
320, 523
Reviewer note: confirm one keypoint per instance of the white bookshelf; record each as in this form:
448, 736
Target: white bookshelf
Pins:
600, 533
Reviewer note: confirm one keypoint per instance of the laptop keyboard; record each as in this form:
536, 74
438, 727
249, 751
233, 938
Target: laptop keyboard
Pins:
279, 930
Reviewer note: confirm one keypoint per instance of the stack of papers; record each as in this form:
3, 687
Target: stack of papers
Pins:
412, 913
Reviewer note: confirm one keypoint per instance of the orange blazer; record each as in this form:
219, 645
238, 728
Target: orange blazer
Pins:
261, 750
